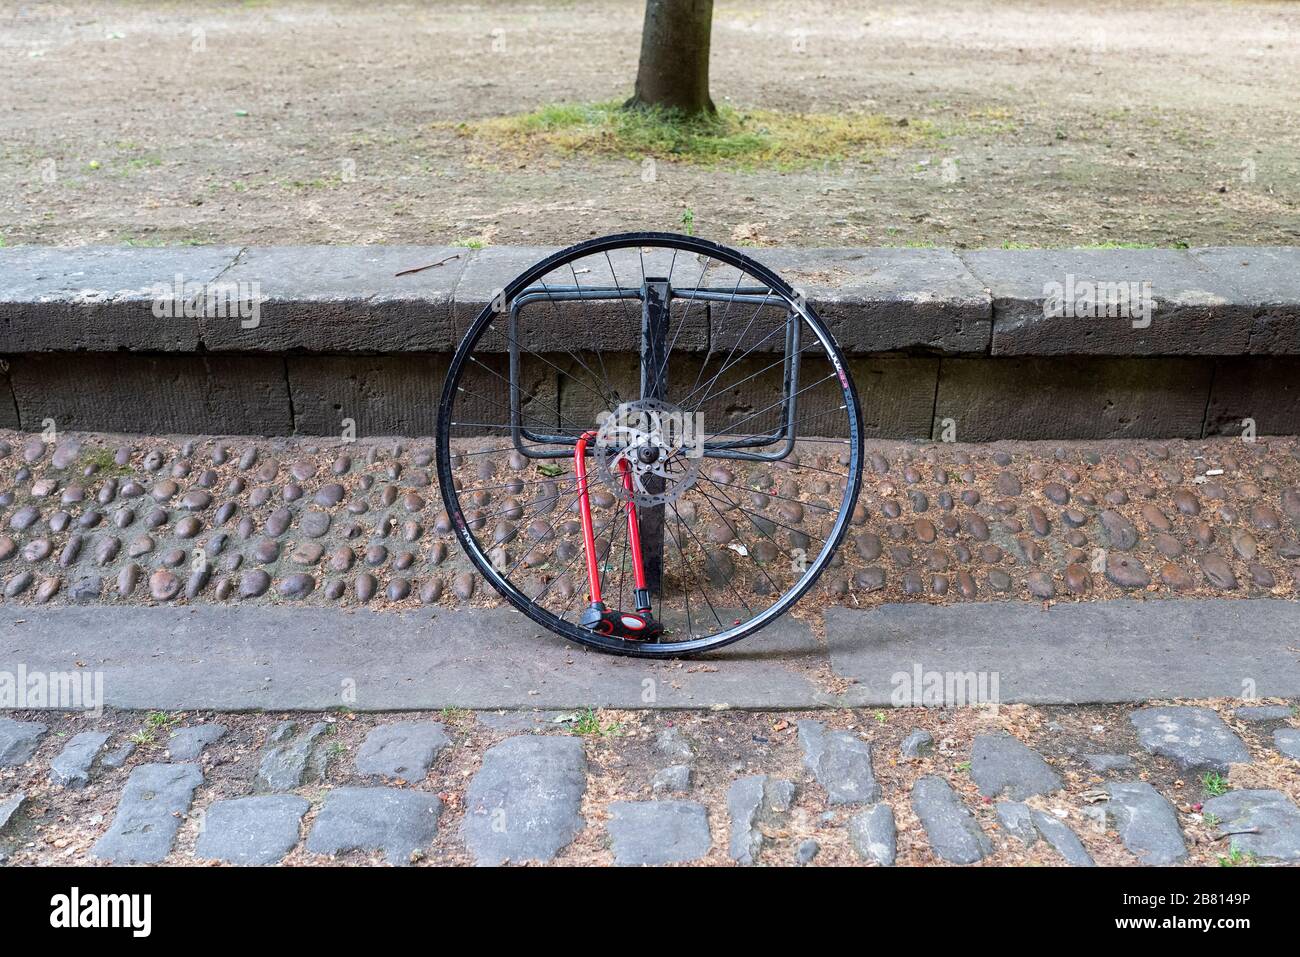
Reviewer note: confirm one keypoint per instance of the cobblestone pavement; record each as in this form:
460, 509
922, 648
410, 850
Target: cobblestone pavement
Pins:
135, 519
1200, 783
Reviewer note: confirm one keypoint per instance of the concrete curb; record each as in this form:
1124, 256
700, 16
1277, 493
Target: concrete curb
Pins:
946, 335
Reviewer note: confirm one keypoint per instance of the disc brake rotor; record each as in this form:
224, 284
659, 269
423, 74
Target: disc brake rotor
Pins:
660, 446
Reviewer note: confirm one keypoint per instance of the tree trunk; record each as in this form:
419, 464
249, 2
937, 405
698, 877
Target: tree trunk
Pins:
674, 69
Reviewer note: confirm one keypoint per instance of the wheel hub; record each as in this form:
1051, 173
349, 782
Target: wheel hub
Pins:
660, 446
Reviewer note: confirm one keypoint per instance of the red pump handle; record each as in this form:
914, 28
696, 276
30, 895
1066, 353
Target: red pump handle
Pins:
588, 535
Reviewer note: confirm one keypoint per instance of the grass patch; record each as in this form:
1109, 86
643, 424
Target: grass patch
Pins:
990, 121
1215, 784
1114, 245
319, 183
104, 463
1236, 858
456, 715
133, 158
1014, 244
137, 163
154, 723
589, 725
733, 138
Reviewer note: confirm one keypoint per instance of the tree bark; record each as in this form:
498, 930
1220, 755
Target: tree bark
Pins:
674, 68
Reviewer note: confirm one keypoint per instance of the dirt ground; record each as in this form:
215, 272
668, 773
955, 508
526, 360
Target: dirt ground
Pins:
155, 122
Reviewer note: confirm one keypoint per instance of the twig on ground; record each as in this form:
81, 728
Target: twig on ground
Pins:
407, 272
1249, 830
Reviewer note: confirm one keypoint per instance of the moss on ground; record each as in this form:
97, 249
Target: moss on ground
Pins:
742, 139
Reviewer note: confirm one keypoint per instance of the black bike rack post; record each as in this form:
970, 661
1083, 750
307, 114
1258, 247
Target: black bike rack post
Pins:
655, 298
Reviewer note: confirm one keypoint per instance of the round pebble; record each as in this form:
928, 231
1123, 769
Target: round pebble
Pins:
253, 583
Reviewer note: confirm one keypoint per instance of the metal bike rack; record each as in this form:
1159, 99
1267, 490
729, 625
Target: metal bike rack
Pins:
656, 297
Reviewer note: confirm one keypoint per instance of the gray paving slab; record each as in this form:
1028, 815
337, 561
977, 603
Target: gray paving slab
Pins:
10, 805
149, 814
252, 830
233, 658
658, 832
19, 740
71, 767
397, 821
525, 802
1196, 738
313, 658
1259, 822
1073, 653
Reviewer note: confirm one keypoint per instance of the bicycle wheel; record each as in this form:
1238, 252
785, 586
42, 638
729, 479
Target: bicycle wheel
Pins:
649, 444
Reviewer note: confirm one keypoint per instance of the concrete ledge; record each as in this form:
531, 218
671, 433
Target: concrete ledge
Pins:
902, 397
153, 394
882, 300
1263, 390
99, 298
1074, 397
1169, 303
344, 299
383, 395
1268, 283
931, 334
1218, 301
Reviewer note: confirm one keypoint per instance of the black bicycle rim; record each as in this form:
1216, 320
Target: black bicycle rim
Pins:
507, 588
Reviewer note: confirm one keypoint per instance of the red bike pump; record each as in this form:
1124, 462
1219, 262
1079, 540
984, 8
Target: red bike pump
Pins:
636, 626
